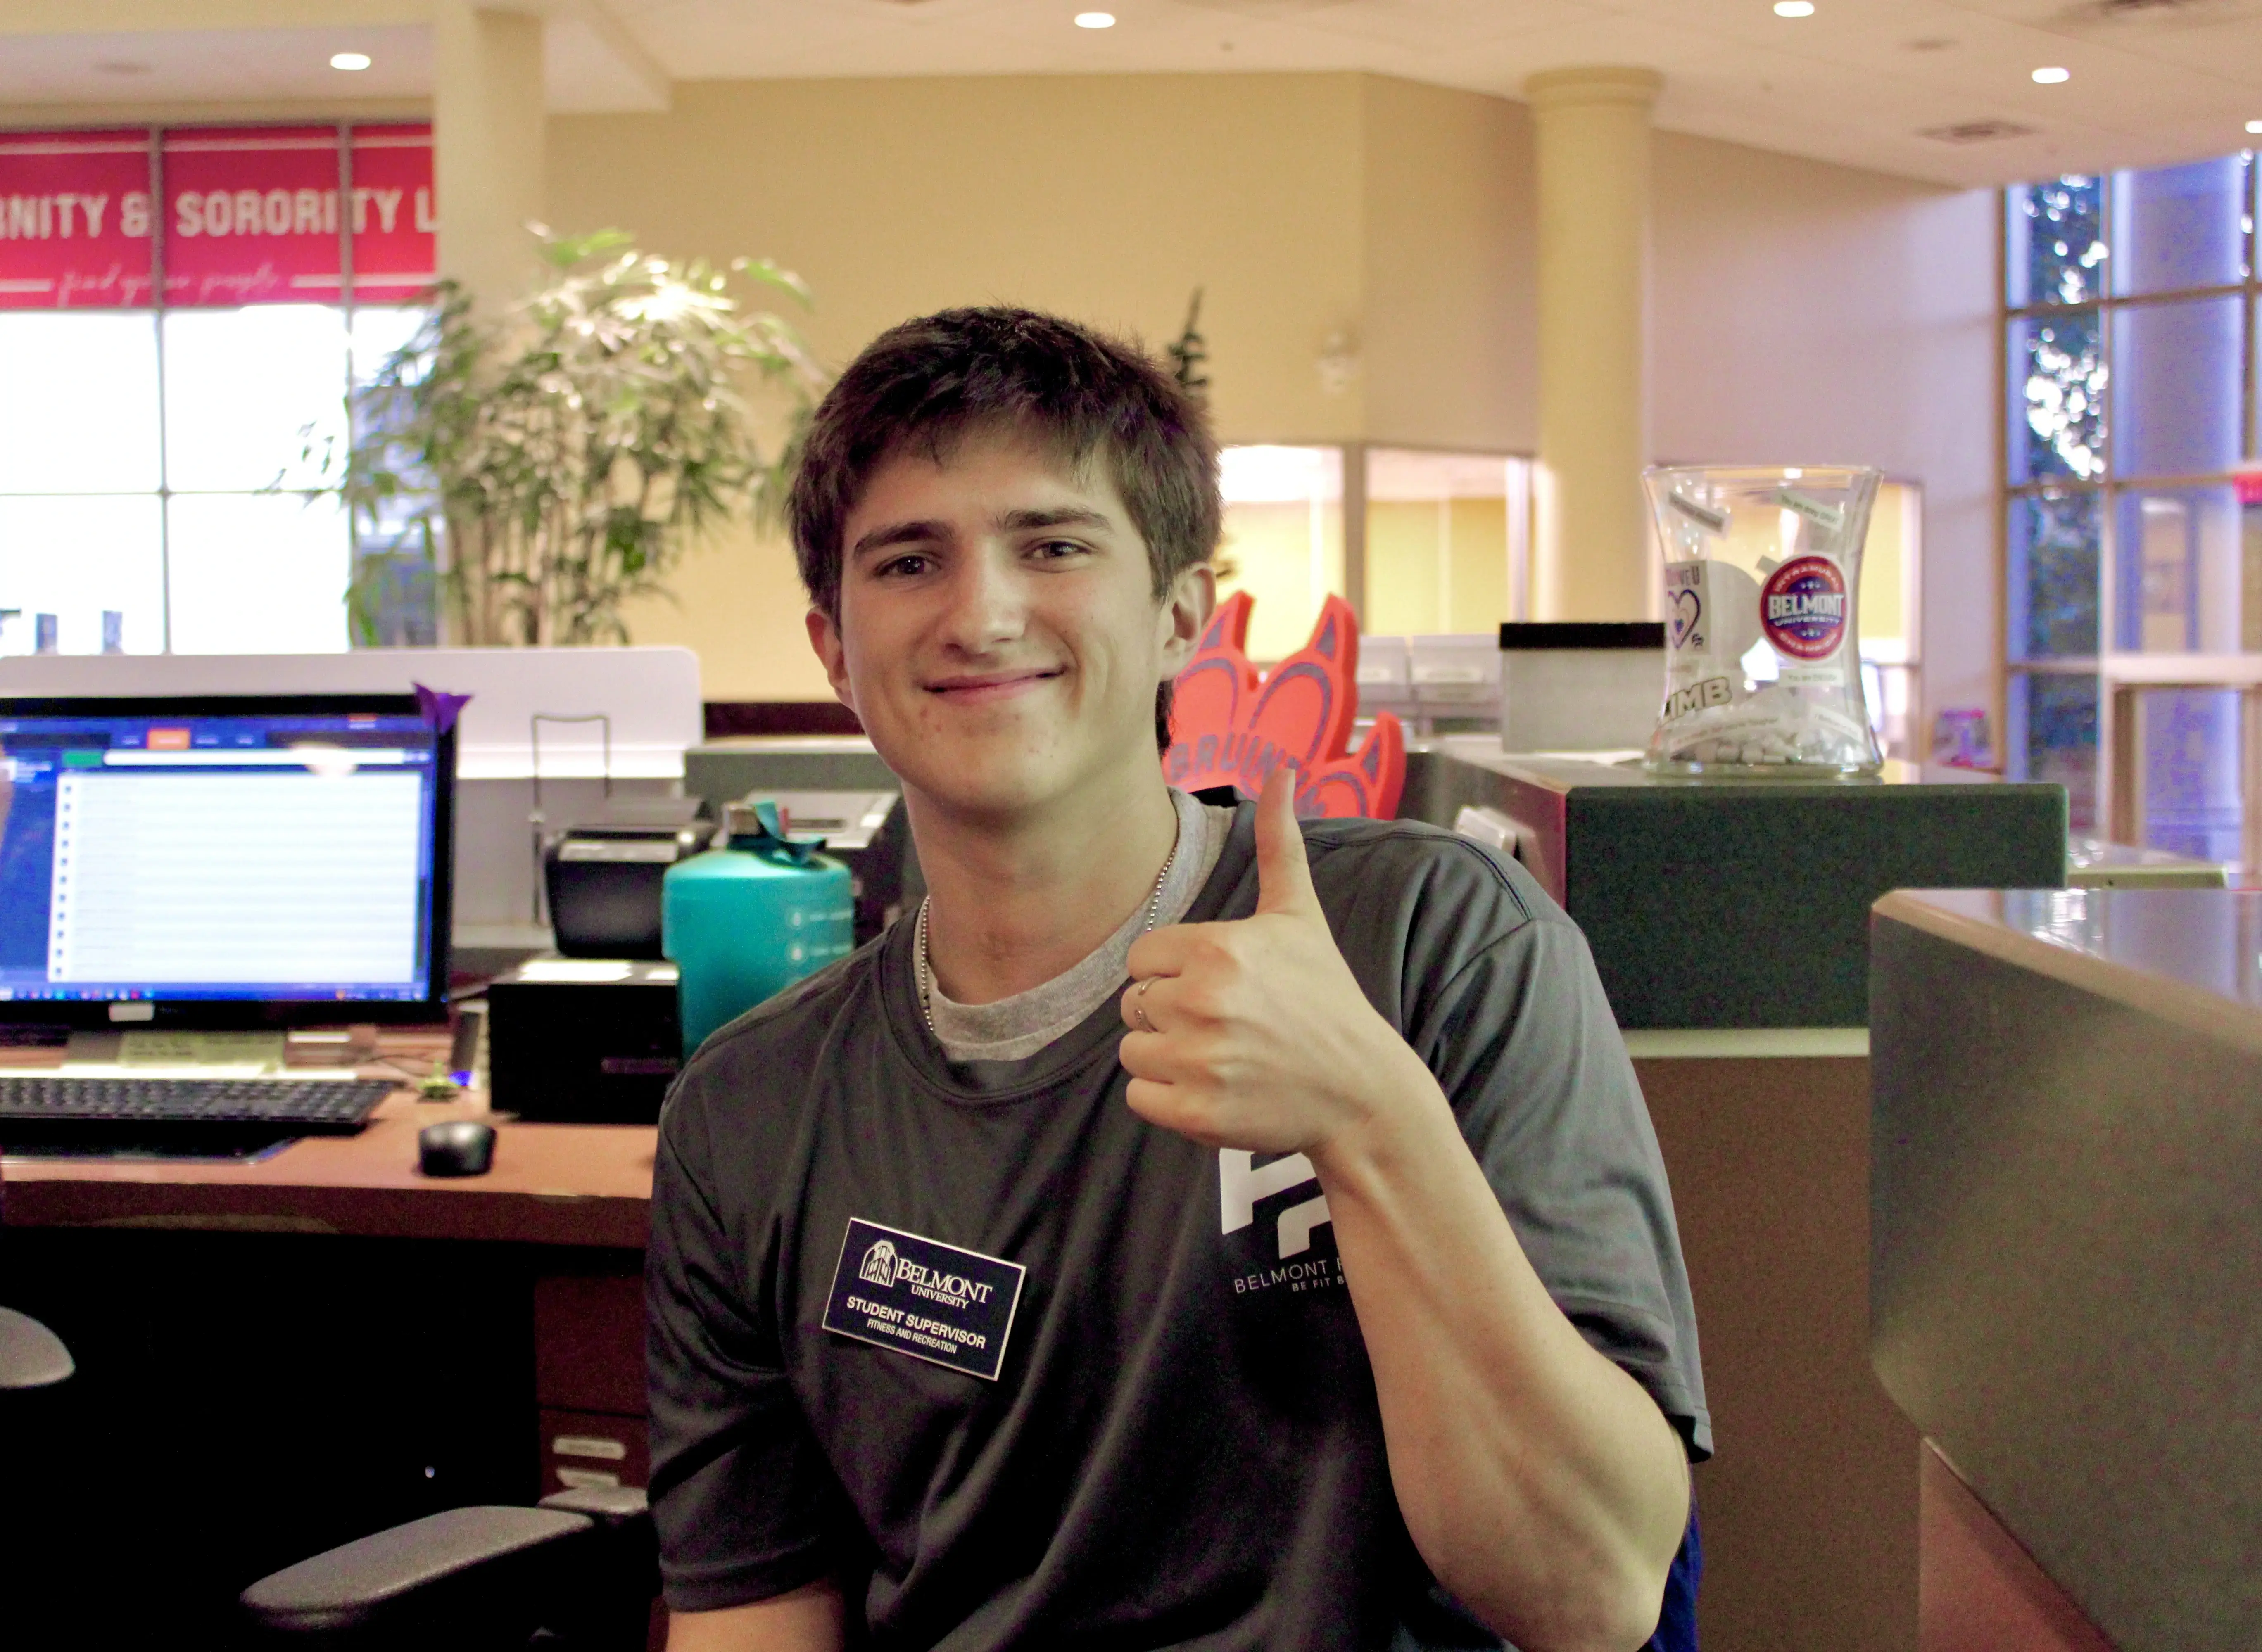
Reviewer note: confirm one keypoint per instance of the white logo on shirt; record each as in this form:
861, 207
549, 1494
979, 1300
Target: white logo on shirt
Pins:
879, 1265
1240, 1185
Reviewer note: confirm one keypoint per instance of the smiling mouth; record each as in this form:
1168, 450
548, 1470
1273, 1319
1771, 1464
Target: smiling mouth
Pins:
970, 691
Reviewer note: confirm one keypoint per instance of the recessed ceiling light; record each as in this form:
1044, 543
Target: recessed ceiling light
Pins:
352, 62
1095, 20
1794, 8
2254, 125
2052, 76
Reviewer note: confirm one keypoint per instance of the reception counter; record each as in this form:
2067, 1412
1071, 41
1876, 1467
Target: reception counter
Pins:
1739, 902
1729, 920
2066, 1247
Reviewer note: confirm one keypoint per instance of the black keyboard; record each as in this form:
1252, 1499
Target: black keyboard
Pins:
39, 1109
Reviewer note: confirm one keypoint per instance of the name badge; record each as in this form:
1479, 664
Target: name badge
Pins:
922, 1298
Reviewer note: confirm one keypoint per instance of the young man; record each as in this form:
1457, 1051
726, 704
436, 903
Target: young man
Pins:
1317, 1288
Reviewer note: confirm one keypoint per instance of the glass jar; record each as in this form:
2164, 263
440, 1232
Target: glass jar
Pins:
1762, 663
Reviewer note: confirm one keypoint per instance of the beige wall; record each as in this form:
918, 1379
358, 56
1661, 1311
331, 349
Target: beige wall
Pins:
1809, 312
1306, 207
1798, 308
1108, 197
1451, 306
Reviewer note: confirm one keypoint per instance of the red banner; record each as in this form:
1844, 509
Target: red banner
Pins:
394, 225
252, 215
74, 219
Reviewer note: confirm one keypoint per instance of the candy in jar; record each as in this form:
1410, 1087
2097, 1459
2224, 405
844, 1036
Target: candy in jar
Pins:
1763, 669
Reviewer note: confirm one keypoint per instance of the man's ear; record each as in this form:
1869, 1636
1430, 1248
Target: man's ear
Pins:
1192, 598
824, 637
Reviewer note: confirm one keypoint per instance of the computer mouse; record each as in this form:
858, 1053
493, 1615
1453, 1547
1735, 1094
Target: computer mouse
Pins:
456, 1147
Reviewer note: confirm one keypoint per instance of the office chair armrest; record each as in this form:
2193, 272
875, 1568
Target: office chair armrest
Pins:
491, 1565
31, 1355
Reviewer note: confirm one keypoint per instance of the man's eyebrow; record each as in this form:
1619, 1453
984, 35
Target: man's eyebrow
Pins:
1024, 522
926, 532
913, 533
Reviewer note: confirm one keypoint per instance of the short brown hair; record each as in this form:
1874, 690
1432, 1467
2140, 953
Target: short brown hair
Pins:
927, 385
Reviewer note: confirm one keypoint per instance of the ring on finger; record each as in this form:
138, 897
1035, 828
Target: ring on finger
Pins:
1139, 1004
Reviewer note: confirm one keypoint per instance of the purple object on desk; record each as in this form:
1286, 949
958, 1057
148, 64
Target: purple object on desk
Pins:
439, 708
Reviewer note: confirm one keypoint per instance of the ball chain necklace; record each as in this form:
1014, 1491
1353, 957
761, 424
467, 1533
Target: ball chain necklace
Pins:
926, 975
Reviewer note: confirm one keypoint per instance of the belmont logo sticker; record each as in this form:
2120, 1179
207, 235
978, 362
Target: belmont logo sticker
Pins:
1802, 606
922, 1298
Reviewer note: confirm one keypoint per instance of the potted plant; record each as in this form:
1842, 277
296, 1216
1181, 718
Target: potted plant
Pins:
548, 467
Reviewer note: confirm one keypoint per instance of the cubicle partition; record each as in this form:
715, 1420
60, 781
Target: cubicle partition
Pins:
1729, 921
546, 735
2067, 1142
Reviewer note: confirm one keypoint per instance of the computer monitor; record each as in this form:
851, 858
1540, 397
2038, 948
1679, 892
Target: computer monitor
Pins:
237, 862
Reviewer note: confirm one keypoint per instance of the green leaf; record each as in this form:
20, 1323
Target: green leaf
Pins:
509, 439
771, 273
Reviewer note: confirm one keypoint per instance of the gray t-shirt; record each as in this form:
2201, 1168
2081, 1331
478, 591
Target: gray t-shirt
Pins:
1180, 1445
1012, 1029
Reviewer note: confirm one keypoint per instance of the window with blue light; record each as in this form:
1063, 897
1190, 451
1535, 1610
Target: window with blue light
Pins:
2132, 504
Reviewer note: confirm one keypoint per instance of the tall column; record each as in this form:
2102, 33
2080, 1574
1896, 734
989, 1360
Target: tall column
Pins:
1593, 553
487, 141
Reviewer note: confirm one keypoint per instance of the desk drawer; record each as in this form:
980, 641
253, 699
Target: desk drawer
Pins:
588, 1340
592, 1449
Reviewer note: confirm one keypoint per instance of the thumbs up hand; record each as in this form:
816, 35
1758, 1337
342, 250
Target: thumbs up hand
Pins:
1254, 1033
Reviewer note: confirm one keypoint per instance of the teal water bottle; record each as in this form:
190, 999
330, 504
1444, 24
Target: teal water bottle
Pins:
745, 923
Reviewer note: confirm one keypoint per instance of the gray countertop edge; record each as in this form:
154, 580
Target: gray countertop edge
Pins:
1667, 1043
2194, 1008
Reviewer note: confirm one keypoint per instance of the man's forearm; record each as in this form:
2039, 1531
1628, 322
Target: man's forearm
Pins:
809, 1619
1540, 1483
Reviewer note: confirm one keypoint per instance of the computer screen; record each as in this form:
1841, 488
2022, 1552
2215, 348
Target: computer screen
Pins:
225, 861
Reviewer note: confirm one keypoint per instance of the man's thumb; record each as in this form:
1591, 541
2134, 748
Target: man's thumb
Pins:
1284, 876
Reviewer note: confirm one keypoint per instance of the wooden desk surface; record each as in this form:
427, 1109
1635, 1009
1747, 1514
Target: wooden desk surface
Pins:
552, 1184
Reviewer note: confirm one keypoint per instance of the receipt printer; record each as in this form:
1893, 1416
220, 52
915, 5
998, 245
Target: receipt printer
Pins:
603, 874
583, 1040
